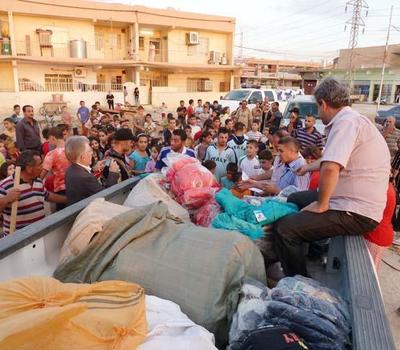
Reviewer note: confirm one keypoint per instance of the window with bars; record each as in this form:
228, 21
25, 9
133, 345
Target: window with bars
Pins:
141, 43
115, 41
58, 82
201, 49
99, 41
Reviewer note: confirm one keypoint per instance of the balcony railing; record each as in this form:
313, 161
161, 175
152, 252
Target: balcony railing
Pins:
33, 48
68, 87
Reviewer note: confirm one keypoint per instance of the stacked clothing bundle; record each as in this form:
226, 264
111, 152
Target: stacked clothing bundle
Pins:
316, 313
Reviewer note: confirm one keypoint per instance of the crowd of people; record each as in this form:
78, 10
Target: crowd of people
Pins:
249, 151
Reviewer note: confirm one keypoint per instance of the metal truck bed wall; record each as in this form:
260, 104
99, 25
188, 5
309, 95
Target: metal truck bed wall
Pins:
349, 267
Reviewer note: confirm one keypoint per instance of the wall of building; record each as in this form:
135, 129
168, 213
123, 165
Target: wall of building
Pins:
36, 73
369, 57
179, 52
7, 78
171, 96
36, 99
64, 30
180, 80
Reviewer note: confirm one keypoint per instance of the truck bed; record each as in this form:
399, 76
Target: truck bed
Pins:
35, 251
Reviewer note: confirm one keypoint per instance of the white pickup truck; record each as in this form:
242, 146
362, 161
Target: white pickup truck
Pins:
234, 97
35, 249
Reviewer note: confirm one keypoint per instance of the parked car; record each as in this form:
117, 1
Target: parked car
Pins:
234, 97
307, 106
381, 116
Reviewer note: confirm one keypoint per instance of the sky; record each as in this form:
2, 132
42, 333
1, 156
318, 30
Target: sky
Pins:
293, 29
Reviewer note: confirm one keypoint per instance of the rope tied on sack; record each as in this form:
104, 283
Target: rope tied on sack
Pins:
122, 333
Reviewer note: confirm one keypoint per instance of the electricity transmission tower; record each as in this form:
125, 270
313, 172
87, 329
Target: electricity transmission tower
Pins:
355, 23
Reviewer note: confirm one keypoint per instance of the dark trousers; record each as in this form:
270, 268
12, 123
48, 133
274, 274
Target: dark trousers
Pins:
111, 104
292, 231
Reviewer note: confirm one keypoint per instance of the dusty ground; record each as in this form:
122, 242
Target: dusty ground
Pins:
389, 279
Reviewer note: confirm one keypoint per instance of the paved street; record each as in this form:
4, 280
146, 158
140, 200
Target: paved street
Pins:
369, 109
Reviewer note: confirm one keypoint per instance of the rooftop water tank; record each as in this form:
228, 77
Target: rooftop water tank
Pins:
78, 49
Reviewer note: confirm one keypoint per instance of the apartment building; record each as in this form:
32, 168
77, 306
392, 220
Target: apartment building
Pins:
84, 49
273, 73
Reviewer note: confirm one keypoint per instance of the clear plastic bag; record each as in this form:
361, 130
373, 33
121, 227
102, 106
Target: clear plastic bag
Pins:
250, 314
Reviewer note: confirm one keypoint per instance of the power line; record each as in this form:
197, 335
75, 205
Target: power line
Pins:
356, 22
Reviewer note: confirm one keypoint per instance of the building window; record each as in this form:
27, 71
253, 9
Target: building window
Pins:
99, 41
199, 85
202, 49
58, 82
115, 41
141, 43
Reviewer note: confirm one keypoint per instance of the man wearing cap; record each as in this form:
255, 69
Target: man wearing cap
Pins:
294, 121
121, 146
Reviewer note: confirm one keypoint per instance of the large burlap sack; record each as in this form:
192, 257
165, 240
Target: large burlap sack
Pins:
198, 268
43, 313
149, 191
89, 222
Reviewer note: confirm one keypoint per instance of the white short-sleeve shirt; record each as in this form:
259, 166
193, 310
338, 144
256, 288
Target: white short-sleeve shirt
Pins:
357, 146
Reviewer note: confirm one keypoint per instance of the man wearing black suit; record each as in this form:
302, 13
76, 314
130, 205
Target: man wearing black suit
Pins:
80, 183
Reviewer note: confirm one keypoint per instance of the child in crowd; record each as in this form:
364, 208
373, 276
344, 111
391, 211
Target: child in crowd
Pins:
210, 165
192, 121
9, 128
12, 150
232, 176
266, 161
7, 169
216, 122
45, 145
254, 133
149, 126
140, 157
56, 162
151, 164
3, 151
189, 140
103, 141
238, 141
201, 149
311, 154
381, 238
249, 164
97, 154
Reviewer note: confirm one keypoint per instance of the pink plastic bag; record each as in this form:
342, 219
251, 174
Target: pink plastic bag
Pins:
192, 184
205, 215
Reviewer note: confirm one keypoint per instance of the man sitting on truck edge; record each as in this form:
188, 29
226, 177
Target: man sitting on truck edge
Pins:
354, 170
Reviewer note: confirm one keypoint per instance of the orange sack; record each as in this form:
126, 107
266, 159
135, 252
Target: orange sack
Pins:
43, 313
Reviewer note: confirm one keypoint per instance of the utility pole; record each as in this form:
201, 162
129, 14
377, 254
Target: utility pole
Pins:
355, 23
384, 59
241, 44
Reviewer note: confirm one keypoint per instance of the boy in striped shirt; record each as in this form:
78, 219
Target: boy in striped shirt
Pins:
30, 194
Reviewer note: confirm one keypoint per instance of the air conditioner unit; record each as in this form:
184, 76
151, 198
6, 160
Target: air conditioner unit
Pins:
215, 57
80, 72
206, 85
192, 38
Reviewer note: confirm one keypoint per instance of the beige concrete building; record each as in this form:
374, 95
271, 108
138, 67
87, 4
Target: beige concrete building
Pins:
273, 73
84, 49
367, 63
